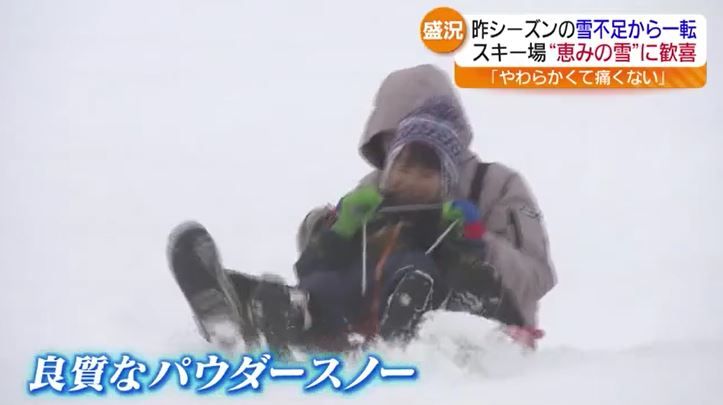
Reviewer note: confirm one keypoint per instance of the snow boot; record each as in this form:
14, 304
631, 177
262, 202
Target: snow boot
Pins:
221, 316
405, 306
281, 314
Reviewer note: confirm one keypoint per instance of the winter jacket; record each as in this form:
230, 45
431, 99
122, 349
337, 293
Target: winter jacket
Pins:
457, 260
516, 240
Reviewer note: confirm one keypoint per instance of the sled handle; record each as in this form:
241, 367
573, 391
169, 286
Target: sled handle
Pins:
409, 207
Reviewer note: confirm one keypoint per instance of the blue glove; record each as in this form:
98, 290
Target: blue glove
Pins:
467, 215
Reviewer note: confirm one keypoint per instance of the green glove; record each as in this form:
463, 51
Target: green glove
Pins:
450, 214
354, 209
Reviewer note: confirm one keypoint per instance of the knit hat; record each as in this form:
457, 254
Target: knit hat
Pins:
402, 92
438, 123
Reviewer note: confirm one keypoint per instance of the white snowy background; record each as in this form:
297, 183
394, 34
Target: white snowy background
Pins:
119, 119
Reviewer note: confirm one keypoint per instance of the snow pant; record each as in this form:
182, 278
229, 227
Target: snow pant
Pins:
335, 297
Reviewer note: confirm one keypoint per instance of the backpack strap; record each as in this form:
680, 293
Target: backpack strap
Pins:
475, 190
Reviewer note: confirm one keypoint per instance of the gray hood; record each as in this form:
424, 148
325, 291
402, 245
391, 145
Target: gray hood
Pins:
402, 92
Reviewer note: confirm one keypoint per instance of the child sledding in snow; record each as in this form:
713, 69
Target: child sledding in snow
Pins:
410, 239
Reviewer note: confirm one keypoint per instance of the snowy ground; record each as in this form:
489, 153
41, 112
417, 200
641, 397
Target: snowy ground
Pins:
120, 119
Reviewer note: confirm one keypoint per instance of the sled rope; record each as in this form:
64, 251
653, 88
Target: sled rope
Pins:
372, 323
441, 237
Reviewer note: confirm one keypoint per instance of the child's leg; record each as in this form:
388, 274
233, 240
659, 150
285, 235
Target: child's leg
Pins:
478, 290
411, 286
328, 301
293, 315
281, 314
196, 267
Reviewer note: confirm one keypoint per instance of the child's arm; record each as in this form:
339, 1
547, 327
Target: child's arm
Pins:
326, 251
332, 244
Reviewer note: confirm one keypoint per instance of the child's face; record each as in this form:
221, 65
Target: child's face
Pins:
407, 184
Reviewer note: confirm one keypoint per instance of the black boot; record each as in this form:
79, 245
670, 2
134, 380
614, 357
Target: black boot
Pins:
410, 300
222, 317
480, 292
281, 314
